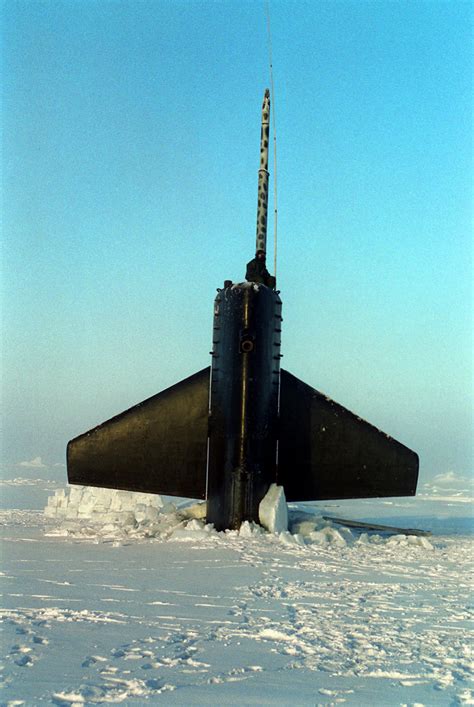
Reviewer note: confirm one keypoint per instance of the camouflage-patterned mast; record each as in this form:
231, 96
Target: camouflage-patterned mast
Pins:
262, 208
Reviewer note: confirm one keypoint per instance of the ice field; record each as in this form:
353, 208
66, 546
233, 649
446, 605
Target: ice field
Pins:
111, 597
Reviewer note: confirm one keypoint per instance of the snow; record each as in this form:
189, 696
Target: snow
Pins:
245, 286
112, 597
36, 463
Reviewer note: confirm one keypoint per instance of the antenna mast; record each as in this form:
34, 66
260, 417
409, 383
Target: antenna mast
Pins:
262, 207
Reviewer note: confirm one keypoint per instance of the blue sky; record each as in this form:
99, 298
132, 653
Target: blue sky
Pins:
131, 146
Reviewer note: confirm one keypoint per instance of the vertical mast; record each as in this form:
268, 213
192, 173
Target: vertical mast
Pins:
262, 208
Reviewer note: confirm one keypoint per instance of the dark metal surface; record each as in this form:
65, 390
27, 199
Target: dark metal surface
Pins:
244, 402
327, 452
157, 446
360, 525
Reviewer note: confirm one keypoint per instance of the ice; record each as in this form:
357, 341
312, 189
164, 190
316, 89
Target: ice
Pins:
119, 516
272, 511
114, 512
249, 530
91, 503
196, 510
120, 598
288, 539
327, 536
413, 540
36, 463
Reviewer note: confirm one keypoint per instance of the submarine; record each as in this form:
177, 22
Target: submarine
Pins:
228, 432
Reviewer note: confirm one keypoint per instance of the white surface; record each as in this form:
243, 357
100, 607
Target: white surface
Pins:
165, 610
273, 511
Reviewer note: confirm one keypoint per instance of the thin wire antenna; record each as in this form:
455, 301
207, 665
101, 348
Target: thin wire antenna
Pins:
275, 197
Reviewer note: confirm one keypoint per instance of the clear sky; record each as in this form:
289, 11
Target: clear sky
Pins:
130, 155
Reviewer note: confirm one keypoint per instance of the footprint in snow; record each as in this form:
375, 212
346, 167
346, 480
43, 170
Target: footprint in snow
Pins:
22, 631
91, 660
21, 657
118, 653
26, 661
40, 640
155, 684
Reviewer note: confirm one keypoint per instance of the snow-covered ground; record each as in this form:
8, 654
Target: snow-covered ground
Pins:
109, 598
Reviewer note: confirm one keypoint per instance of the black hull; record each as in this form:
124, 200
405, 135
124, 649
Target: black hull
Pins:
244, 403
